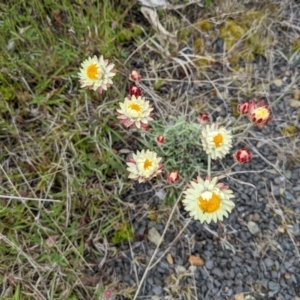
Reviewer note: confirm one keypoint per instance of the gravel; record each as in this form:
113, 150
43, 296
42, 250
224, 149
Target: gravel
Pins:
250, 252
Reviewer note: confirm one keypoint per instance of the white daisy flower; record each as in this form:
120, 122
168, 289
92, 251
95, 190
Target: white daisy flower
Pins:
144, 165
96, 74
216, 142
135, 111
207, 200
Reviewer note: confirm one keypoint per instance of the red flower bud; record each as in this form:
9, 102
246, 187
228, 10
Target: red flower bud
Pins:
203, 119
243, 108
135, 75
160, 140
242, 156
173, 176
135, 91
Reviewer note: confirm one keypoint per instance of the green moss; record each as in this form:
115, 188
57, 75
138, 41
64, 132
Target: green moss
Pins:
204, 25
289, 130
124, 233
296, 45
199, 46
234, 105
183, 35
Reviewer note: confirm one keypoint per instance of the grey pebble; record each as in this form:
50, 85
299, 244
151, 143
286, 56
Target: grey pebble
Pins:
157, 290
253, 228
150, 280
209, 264
288, 195
274, 286
218, 272
268, 262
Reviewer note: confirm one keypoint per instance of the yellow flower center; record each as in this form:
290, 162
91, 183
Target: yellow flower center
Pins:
261, 113
135, 106
209, 205
92, 72
218, 139
147, 163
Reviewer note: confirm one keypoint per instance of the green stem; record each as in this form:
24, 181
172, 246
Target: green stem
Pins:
240, 127
208, 165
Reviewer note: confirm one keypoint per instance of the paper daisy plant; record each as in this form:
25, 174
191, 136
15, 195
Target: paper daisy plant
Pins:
216, 142
144, 165
135, 112
96, 74
207, 200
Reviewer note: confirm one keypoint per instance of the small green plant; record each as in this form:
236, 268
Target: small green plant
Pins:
182, 149
124, 233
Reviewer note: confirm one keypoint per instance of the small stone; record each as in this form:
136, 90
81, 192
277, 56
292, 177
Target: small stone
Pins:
239, 296
157, 290
180, 269
218, 272
280, 229
278, 82
288, 174
268, 262
196, 260
193, 269
287, 275
288, 195
274, 286
255, 217
155, 298
253, 228
249, 297
296, 94
170, 259
209, 264
154, 236
294, 103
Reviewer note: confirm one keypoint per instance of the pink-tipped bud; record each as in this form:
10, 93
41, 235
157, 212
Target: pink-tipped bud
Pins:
160, 140
259, 113
108, 295
203, 119
135, 91
243, 108
135, 75
145, 127
173, 176
242, 156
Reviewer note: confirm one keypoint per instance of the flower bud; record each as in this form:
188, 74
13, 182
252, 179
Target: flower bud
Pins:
203, 119
135, 75
160, 140
173, 176
259, 113
145, 127
242, 156
134, 90
243, 108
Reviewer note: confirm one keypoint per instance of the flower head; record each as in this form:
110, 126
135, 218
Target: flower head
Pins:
243, 108
216, 141
160, 140
135, 75
207, 200
144, 165
242, 156
259, 113
203, 119
135, 111
173, 176
95, 74
135, 90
